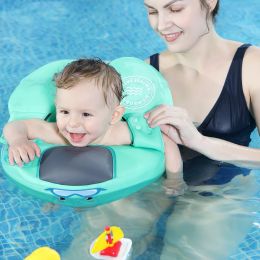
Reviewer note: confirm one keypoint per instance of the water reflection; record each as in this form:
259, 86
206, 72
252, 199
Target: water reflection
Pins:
208, 222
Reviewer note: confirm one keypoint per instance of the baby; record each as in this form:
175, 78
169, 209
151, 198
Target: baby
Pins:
88, 111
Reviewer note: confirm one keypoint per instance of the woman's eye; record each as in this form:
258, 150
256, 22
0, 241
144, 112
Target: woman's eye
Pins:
86, 114
151, 12
174, 10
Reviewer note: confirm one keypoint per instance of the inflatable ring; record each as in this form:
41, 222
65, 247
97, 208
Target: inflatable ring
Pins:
92, 175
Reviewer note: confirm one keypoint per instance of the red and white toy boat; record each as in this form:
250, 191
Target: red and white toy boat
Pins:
111, 245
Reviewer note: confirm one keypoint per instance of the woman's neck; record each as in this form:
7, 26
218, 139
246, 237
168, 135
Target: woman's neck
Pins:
202, 53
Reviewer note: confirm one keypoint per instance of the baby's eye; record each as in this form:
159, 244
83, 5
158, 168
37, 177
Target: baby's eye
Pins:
86, 114
65, 112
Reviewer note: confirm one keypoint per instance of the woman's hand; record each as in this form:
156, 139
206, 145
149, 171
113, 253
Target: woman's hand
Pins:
23, 151
176, 124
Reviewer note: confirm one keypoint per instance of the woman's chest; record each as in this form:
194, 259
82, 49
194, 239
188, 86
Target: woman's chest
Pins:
217, 107
197, 93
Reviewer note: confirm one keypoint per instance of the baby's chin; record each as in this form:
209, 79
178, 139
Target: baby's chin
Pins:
78, 144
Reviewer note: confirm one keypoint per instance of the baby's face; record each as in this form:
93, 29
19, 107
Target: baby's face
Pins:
82, 114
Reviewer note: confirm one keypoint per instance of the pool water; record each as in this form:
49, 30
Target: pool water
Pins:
208, 222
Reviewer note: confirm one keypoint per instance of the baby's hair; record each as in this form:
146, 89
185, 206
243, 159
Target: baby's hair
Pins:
95, 69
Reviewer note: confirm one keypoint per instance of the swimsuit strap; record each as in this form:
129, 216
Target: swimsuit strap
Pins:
154, 61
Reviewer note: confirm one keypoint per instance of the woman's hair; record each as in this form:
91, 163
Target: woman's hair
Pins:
213, 12
105, 76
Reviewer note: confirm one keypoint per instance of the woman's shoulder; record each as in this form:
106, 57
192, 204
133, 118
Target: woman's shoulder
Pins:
251, 60
166, 60
251, 67
252, 56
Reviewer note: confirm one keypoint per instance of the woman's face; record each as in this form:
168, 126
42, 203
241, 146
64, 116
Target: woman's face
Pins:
180, 23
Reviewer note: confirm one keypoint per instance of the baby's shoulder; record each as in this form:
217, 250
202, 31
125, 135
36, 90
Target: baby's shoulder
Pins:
120, 134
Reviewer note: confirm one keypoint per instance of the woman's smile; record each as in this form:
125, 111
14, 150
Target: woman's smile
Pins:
171, 37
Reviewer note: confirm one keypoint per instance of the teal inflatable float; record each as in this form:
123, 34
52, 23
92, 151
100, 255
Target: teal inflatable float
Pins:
93, 175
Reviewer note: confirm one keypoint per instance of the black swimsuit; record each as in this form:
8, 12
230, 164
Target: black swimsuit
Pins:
229, 119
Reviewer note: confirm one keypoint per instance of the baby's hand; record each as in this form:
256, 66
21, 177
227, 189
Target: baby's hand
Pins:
23, 151
175, 186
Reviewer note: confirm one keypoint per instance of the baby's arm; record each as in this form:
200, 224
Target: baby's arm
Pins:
174, 183
19, 135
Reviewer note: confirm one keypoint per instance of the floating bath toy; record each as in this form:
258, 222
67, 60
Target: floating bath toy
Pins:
111, 244
43, 253
92, 175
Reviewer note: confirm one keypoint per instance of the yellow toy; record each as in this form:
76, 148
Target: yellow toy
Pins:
43, 253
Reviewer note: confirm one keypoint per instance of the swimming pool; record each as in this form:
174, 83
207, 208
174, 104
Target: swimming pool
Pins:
224, 225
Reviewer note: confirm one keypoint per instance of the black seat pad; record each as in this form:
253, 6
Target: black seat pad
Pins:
68, 165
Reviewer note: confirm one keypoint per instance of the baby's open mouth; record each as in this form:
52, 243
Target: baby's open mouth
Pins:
77, 137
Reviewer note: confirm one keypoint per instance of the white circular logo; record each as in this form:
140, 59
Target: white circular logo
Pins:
139, 92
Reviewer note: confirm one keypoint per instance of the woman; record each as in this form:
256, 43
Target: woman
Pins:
215, 89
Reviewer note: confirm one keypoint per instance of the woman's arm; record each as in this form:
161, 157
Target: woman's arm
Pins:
221, 150
225, 151
177, 125
250, 76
